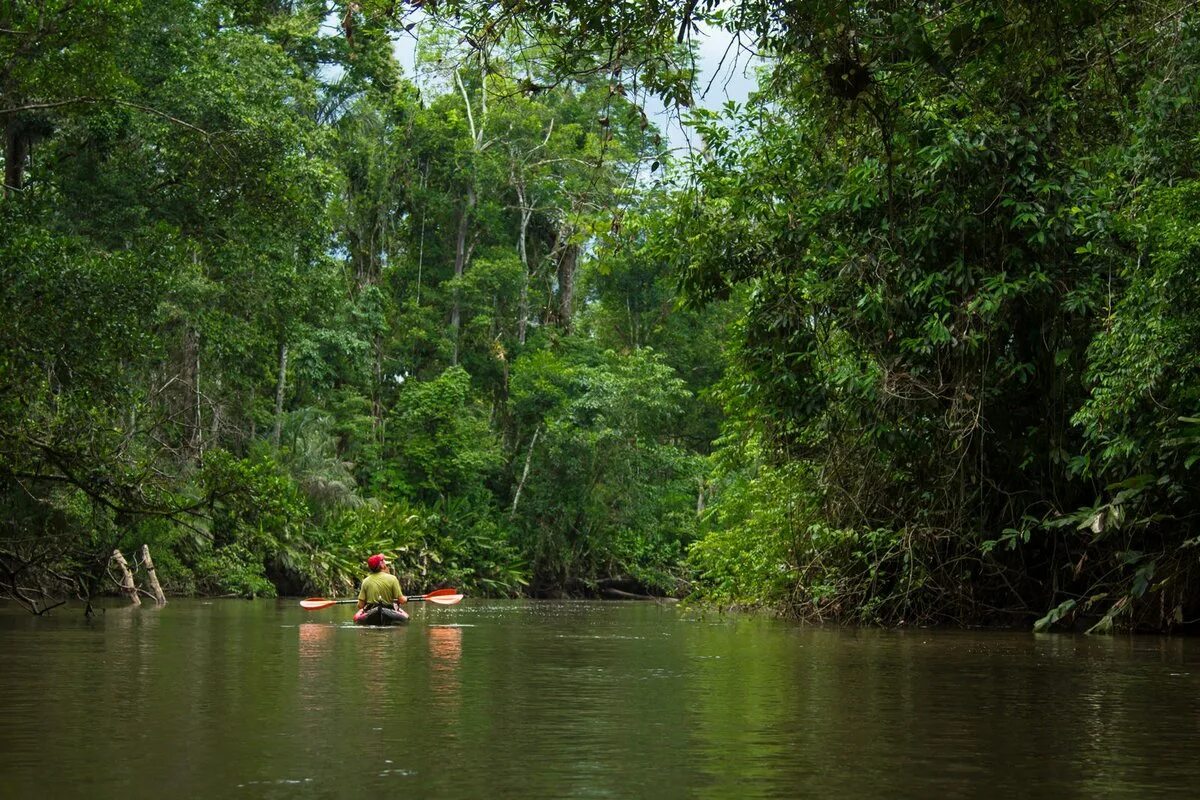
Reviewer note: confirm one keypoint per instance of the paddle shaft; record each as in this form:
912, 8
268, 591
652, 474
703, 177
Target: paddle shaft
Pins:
441, 596
416, 598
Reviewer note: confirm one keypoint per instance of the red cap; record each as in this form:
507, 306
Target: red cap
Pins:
376, 561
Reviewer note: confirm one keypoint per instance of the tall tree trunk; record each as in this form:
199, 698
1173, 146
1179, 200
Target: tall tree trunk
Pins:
198, 437
16, 151
279, 389
633, 324
525, 472
358, 258
477, 146
377, 390
420, 259
247, 410
523, 252
186, 403
460, 264
566, 285
214, 430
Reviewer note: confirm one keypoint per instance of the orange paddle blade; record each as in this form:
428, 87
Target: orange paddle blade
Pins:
313, 603
441, 592
444, 599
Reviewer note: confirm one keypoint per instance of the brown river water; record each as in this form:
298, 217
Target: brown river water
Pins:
515, 699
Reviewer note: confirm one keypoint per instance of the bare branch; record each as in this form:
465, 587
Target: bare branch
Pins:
100, 100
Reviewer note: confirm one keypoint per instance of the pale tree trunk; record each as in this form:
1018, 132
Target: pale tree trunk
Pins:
155, 586
525, 472
461, 255
128, 587
186, 404
523, 252
525, 205
214, 430
280, 385
191, 359
377, 394
246, 409
420, 259
198, 440
421, 247
460, 264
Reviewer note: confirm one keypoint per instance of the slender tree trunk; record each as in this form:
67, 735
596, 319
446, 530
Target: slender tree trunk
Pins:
377, 391
460, 264
633, 324
280, 385
16, 151
420, 259
185, 398
566, 285
523, 252
525, 472
461, 255
214, 430
246, 409
198, 438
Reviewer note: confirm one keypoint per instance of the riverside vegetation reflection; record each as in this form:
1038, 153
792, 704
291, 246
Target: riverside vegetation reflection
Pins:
582, 699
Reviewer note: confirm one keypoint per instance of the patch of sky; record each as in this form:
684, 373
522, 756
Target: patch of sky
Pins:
726, 71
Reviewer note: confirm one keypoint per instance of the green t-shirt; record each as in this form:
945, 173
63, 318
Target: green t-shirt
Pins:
380, 587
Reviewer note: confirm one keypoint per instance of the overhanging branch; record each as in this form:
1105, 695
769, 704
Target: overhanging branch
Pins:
48, 104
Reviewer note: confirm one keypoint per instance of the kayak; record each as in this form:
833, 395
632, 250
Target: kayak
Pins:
380, 615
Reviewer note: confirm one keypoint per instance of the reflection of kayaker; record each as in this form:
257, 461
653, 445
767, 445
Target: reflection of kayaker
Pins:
380, 597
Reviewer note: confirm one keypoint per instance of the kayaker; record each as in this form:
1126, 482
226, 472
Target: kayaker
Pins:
381, 587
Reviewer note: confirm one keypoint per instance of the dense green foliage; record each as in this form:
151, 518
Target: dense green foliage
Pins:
913, 338
271, 308
964, 386
962, 228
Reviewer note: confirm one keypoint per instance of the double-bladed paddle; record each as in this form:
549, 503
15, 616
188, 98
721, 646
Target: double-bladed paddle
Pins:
443, 597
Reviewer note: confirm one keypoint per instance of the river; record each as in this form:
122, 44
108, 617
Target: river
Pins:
515, 699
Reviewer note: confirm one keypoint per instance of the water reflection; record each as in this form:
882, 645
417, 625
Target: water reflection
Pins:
445, 645
315, 669
582, 700
314, 639
445, 653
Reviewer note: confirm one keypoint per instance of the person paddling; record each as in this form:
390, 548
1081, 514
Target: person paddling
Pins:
380, 594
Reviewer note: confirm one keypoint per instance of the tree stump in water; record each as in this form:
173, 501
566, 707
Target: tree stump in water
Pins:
128, 587
155, 586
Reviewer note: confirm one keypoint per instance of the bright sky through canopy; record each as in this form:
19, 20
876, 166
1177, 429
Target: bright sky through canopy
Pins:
716, 82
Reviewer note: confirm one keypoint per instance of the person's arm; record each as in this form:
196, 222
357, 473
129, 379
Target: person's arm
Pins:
362, 597
400, 591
